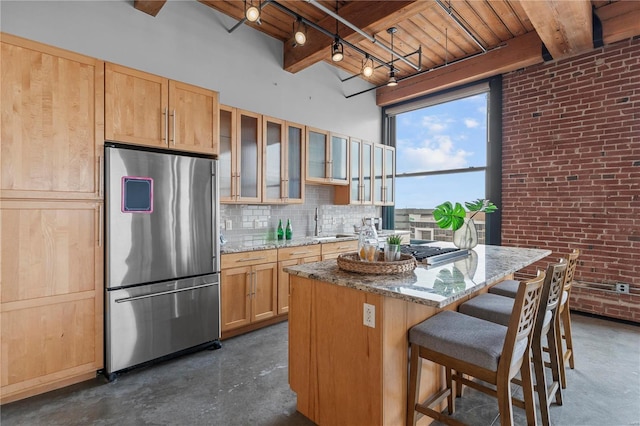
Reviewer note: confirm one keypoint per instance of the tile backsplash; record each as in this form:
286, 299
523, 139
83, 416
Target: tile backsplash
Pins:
261, 221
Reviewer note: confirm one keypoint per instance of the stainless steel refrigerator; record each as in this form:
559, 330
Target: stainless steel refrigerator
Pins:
162, 277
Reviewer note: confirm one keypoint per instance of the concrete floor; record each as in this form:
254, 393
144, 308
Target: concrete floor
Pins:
245, 383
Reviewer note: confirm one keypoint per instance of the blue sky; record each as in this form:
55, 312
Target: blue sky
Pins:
447, 136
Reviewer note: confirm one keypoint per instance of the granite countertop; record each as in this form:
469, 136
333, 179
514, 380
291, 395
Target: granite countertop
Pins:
438, 285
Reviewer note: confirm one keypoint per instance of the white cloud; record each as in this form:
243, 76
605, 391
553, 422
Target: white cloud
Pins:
471, 123
435, 123
432, 154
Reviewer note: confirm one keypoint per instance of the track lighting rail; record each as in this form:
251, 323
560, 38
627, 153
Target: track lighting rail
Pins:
244, 18
369, 37
449, 11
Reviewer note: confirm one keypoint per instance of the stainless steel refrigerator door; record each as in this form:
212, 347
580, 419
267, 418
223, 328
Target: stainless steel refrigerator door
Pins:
151, 321
177, 234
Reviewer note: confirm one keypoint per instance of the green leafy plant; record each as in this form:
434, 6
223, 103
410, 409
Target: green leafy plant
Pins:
394, 239
448, 215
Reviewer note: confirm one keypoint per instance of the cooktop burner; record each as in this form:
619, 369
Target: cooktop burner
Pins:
432, 254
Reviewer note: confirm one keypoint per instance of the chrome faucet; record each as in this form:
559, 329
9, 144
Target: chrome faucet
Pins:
315, 232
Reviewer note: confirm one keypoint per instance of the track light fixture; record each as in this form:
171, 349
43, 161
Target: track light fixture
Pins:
392, 73
300, 35
367, 66
252, 13
337, 51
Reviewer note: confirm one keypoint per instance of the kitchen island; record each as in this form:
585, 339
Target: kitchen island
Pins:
345, 372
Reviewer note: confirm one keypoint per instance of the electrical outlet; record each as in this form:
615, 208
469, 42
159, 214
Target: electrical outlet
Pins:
369, 315
228, 224
622, 288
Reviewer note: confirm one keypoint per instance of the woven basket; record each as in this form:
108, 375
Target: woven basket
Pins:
351, 262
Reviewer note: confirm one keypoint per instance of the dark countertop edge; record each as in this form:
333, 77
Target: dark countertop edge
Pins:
414, 299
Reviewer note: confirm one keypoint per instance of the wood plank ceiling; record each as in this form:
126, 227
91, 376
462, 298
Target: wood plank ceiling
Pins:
445, 31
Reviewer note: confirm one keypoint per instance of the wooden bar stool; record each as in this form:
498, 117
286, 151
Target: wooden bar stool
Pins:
563, 323
469, 346
498, 309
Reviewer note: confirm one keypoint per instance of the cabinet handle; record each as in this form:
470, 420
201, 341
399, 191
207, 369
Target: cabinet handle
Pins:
238, 185
255, 284
249, 275
300, 252
166, 126
249, 259
173, 129
100, 175
100, 225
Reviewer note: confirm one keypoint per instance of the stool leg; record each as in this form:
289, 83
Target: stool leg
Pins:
552, 339
451, 398
560, 352
527, 390
503, 391
415, 370
541, 380
566, 323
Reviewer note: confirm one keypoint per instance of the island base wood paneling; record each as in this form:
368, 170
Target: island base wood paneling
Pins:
344, 372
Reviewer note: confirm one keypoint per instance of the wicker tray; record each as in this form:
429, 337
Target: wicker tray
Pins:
352, 263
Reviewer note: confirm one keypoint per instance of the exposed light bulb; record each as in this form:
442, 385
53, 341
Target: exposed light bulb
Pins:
392, 79
336, 52
253, 13
300, 38
367, 71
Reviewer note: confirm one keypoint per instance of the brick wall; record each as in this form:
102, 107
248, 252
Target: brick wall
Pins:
571, 170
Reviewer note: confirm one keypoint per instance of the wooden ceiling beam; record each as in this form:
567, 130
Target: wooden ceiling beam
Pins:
151, 7
565, 27
620, 21
362, 14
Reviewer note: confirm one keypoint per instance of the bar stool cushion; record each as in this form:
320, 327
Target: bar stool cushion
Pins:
460, 336
494, 308
506, 288
490, 307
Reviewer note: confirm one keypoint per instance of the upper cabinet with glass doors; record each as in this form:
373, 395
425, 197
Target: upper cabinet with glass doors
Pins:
383, 175
240, 158
146, 109
327, 157
284, 149
359, 190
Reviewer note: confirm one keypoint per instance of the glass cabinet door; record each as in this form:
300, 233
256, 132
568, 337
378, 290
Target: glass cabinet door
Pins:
226, 158
366, 167
273, 132
354, 185
317, 155
378, 173
250, 161
339, 159
294, 163
389, 173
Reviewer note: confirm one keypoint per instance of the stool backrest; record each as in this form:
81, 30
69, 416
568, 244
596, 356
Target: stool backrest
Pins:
572, 262
518, 339
551, 291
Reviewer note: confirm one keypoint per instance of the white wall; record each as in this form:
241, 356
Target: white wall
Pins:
189, 42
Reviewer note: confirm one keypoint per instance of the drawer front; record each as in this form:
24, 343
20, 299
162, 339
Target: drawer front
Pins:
340, 247
299, 252
247, 258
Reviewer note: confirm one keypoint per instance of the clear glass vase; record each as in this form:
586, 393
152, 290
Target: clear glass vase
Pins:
467, 236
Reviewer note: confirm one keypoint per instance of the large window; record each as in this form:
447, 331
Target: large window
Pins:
443, 153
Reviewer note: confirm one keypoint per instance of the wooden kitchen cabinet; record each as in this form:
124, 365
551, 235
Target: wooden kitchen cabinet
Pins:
284, 148
288, 257
241, 154
248, 288
52, 115
52, 295
383, 175
150, 110
333, 250
360, 188
327, 157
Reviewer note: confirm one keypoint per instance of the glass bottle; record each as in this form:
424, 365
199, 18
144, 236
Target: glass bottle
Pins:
368, 242
288, 233
280, 231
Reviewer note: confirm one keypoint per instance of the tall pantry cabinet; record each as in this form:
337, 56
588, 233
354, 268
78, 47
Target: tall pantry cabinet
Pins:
51, 272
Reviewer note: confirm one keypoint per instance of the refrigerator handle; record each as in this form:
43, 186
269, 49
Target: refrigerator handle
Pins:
162, 293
